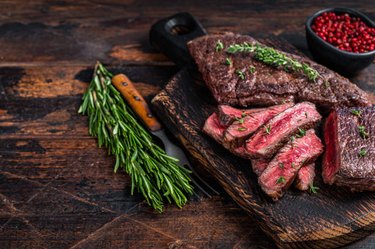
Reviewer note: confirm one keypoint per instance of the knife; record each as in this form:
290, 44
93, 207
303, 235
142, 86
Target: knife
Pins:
138, 104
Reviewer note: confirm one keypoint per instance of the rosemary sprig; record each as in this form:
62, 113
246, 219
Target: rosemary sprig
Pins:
272, 57
153, 173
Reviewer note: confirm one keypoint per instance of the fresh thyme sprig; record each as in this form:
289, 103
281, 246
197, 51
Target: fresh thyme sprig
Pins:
272, 57
155, 174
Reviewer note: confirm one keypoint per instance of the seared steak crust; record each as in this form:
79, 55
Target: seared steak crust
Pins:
343, 164
267, 85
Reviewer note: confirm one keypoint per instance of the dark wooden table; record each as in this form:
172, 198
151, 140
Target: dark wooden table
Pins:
57, 189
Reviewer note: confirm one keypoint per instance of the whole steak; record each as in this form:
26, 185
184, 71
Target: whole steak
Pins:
349, 159
241, 80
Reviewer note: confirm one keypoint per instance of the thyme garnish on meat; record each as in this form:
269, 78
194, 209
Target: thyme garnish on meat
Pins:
252, 69
267, 129
362, 152
240, 74
272, 57
281, 179
219, 46
153, 173
301, 132
241, 129
228, 61
357, 113
362, 131
281, 165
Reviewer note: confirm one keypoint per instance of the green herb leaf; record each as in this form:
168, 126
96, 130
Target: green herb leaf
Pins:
240, 120
267, 129
153, 173
240, 74
219, 46
241, 129
274, 58
252, 69
228, 61
362, 152
362, 131
281, 165
280, 180
243, 114
357, 113
313, 189
301, 132
293, 165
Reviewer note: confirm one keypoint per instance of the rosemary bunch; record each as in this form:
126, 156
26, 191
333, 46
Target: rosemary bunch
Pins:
272, 57
155, 174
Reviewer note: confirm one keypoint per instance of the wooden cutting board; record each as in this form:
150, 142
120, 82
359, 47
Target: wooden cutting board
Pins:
333, 217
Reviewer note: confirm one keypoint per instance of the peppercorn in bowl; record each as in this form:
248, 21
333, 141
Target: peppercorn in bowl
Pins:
342, 39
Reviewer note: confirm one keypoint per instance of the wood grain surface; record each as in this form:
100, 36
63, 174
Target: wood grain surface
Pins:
57, 189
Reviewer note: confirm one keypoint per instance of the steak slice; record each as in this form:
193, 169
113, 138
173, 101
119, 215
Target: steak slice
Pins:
265, 84
305, 177
349, 159
266, 141
283, 168
259, 165
228, 114
244, 127
215, 129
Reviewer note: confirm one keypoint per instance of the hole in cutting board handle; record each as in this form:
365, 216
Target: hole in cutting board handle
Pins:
170, 35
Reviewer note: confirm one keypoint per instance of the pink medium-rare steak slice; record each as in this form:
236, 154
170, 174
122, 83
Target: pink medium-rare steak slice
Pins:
266, 141
265, 84
349, 159
305, 177
283, 168
259, 165
241, 129
228, 114
214, 128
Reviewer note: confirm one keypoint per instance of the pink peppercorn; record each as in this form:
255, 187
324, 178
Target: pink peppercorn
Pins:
345, 32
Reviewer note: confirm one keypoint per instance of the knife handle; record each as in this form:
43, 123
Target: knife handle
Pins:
136, 101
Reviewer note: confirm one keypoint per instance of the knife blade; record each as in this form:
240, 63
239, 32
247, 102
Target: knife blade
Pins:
138, 104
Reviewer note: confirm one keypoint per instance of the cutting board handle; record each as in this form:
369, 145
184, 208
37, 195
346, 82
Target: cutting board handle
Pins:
170, 35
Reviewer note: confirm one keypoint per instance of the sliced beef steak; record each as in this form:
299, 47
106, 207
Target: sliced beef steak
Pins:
267, 85
266, 141
246, 126
228, 114
214, 128
305, 177
259, 165
349, 159
283, 168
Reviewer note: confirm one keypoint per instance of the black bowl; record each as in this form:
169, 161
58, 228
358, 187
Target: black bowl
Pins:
344, 62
